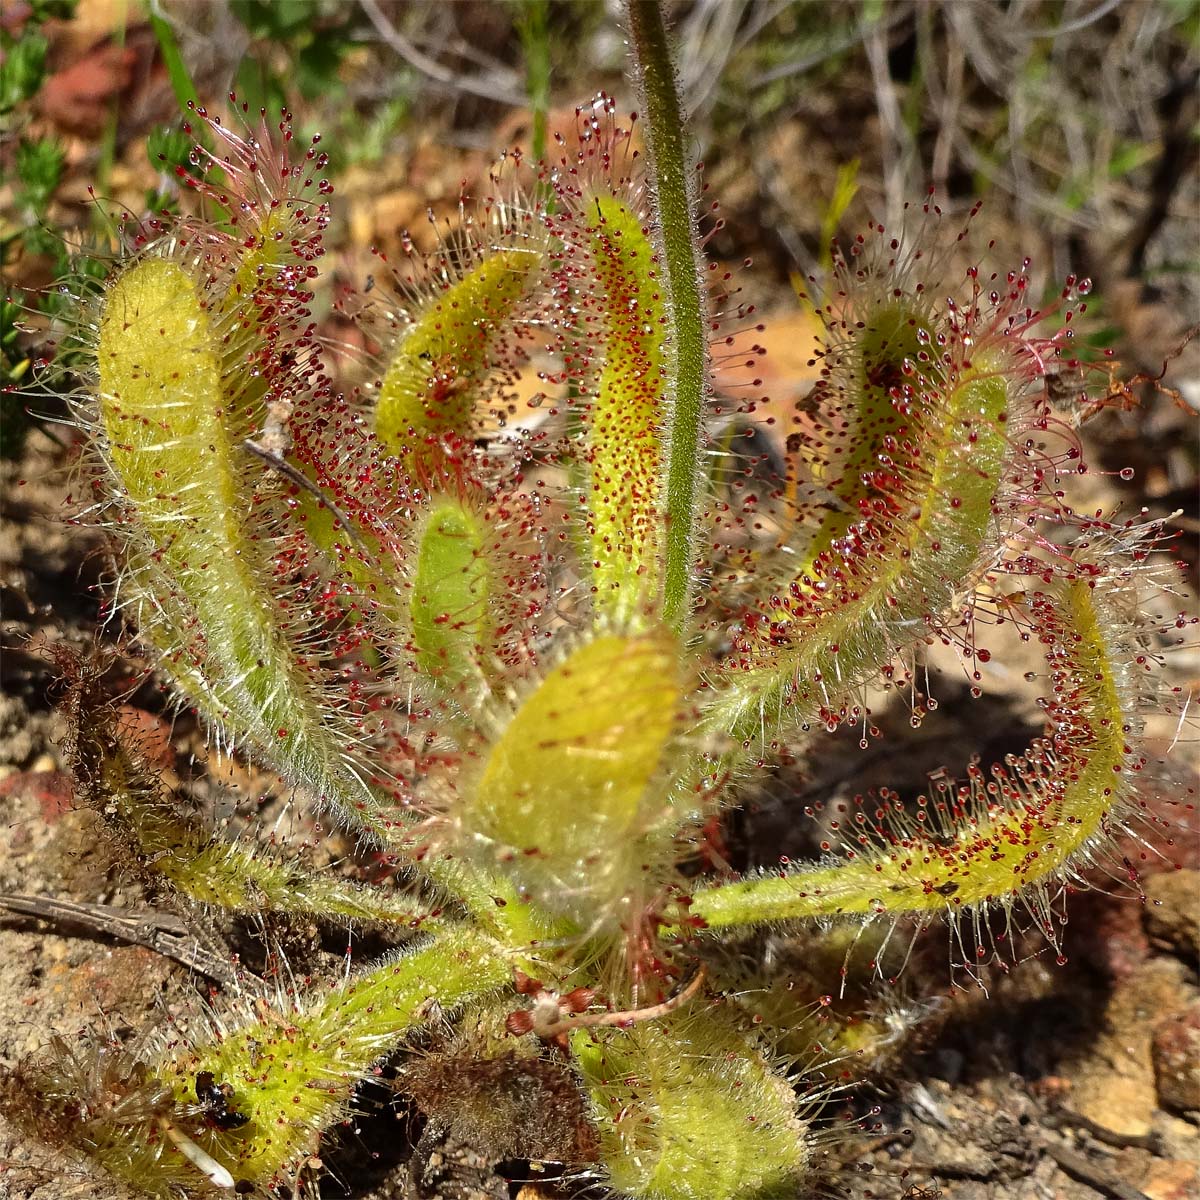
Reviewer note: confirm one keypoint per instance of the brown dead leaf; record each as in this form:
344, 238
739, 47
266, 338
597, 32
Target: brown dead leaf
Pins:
126, 74
77, 99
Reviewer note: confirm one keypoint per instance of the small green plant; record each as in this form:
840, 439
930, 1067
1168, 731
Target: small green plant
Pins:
37, 169
531, 652
24, 48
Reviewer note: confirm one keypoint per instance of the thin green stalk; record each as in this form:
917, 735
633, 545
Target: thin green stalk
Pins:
687, 366
532, 25
181, 80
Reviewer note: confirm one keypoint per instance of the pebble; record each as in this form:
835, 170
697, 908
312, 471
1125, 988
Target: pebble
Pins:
1176, 1053
1173, 911
1114, 1083
1169, 1179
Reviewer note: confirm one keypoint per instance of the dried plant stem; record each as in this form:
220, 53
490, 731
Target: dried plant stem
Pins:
622, 1020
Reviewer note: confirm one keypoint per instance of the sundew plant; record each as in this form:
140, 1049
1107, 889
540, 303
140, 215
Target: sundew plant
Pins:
528, 653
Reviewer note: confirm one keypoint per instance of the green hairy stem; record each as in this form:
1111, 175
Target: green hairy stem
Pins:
532, 656
687, 349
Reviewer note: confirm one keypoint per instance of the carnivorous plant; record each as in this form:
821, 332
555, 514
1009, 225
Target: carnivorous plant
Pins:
526, 641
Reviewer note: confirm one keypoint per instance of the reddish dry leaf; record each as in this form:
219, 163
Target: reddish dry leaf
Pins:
79, 98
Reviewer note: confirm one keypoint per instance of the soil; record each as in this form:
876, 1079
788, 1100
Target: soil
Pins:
1063, 1082
1066, 1082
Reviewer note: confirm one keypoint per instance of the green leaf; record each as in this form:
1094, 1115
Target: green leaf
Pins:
630, 409
568, 782
198, 569
169, 148
995, 839
276, 20
429, 388
317, 66
451, 592
690, 1109
290, 1064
